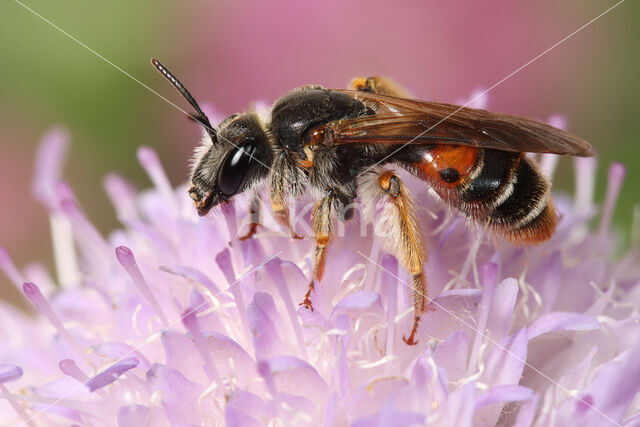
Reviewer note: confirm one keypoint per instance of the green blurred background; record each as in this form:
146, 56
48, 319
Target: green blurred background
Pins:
231, 53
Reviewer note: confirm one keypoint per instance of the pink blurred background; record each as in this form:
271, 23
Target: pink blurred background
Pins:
232, 53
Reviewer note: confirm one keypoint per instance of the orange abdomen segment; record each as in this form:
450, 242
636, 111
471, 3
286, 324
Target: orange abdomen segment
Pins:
504, 191
446, 165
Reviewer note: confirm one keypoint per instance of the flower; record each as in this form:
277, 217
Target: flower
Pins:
172, 320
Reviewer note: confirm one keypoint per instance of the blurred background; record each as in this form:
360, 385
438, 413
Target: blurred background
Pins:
231, 53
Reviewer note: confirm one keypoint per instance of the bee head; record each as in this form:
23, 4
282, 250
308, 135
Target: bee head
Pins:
230, 160
235, 161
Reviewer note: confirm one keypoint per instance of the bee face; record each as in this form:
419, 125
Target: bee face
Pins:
236, 160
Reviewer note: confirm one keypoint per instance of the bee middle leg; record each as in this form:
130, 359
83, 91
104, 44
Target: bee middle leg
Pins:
321, 217
402, 236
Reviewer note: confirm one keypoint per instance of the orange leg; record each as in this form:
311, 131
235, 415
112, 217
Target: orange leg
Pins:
402, 235
321, 224
409, 248
281, 213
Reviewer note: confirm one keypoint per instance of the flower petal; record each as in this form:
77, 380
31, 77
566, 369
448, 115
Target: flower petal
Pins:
459, 407
502, 303
451, 355
180, 397
608, 395
504, 394
560, 321
297, 377
357, 301
264, 333
111, 374
9, 373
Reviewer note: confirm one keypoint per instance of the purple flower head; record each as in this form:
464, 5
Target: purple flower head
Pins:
172, 320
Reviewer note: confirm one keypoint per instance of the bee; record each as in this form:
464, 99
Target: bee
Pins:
344, 144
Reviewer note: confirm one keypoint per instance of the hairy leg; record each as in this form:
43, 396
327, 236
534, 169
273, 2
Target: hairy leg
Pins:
321, 224
280, 173
402, 236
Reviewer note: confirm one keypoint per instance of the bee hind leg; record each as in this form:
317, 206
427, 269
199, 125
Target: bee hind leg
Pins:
400, 231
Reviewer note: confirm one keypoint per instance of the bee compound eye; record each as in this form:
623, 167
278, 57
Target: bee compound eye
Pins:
234, 168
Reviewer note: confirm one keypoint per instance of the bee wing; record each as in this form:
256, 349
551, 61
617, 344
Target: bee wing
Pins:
408, 121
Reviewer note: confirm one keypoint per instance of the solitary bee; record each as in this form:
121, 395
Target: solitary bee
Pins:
341, 142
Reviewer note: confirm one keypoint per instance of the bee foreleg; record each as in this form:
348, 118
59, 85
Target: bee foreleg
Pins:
399, 231
254, 211
321, 217
279, 194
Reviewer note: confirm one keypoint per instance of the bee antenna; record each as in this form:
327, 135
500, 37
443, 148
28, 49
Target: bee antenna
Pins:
200, 117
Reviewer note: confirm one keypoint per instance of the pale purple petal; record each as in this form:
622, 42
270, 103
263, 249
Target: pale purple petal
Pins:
452, 354
357, 301
191, 273
264, 332
223, 259
502, 303
577, 376
150, 162
297, 377
181, 355
527, 412
506, 360
180, 397
633, 421
459, 407
190, 321
503, 367
112, 373
133, 415
236, 417
230, 358
128, 261
48, 166
70, 368
617, 172
343, 373
559, 321
373, 394
274, 268
9, 373
122, 195
244, 406
389, 418
610, 392
503, 394
120, 350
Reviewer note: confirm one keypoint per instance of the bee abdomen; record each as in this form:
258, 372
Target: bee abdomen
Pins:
502, 190
490, 183
526, 214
